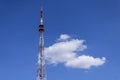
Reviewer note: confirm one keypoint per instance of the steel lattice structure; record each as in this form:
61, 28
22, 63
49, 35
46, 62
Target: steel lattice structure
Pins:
41, 71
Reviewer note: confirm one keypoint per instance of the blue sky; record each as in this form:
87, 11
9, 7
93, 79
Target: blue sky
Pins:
95, 21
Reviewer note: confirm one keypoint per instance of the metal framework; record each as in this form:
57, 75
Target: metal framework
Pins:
41, 71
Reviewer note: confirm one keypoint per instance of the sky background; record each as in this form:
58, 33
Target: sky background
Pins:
96, 21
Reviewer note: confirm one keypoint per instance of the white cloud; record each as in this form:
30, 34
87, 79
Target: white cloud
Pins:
67, 52
64, 37
85, 62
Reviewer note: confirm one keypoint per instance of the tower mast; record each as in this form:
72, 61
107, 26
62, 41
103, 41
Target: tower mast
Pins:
41, 72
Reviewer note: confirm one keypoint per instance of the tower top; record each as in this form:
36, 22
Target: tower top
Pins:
41, 26
41, 16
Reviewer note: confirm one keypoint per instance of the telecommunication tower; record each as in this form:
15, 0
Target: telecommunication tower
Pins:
41, 71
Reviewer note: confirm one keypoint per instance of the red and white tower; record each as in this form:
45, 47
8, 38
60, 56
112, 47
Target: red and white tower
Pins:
41, 71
